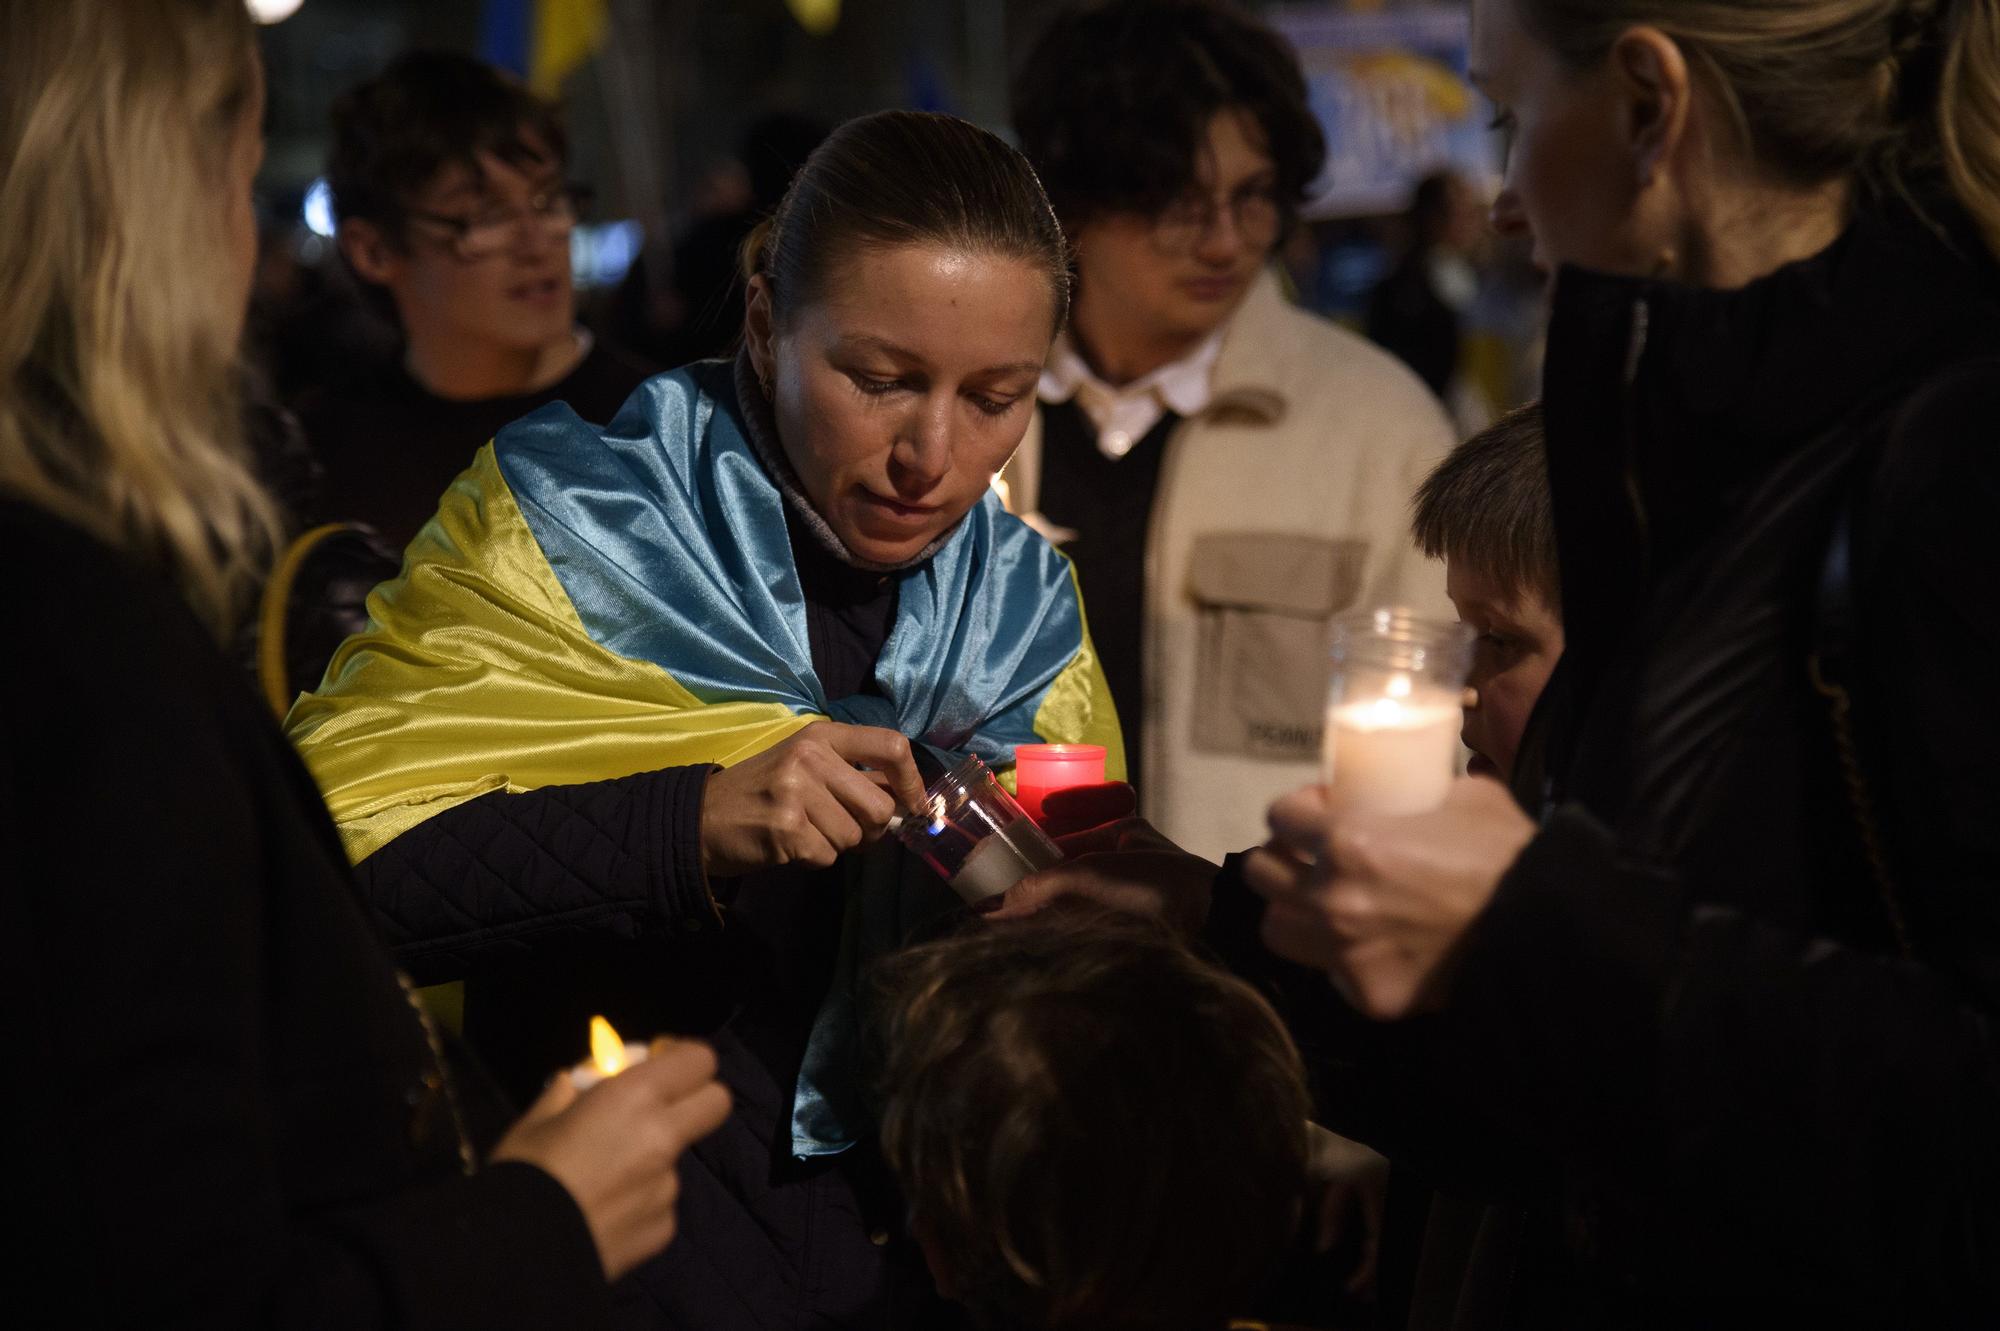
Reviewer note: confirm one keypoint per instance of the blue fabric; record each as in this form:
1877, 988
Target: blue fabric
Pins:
669, 538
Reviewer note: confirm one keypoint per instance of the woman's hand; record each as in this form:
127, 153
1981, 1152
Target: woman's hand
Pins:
807, 801
1380, 902
1128, 866
616, 1146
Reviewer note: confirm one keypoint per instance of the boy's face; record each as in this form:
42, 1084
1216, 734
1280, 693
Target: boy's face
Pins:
1520, 640
515, 294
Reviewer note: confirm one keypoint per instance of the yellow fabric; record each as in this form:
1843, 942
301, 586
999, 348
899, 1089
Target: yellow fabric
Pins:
475, 674
567, 32
1078, 707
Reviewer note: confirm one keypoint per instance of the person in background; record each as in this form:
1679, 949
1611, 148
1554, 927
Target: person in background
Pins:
449, 189
230, 1113
1226, 471
1418, 310
699, 314
1096, 1130
1485, 511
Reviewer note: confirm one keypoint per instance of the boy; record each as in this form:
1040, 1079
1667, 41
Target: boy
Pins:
1485, 511
448, 183
1093, 1127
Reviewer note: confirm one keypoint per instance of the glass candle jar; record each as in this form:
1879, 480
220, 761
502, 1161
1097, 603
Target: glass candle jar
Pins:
975, 836
1393, 711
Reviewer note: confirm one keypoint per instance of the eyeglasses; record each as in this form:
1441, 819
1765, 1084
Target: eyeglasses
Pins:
1183, 224
553, 213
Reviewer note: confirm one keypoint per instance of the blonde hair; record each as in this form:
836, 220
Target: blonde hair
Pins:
118, 401
1821, 89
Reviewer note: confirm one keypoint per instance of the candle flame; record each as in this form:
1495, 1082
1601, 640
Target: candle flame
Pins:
1399, 686
607, 1051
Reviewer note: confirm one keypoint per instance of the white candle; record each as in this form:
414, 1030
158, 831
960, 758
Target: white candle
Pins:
994, 865
1387, 755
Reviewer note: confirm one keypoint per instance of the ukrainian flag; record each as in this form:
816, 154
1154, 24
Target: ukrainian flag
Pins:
543, 41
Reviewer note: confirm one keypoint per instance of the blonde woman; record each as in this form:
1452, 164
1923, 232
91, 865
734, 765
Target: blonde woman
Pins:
229, 1111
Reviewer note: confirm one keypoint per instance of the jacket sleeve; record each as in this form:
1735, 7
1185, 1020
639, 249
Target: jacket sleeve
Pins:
1382, 1085
497, 876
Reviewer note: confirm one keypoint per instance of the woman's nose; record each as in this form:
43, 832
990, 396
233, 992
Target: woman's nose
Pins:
922, 456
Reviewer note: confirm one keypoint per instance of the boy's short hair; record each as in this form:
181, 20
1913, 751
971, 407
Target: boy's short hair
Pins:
1094, 1128
1114, 100
429, 110
1487, 505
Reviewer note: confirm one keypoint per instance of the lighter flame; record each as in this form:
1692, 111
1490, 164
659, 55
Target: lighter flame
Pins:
607, 1051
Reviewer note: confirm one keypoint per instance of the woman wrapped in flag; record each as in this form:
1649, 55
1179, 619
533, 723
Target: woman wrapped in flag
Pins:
626, 733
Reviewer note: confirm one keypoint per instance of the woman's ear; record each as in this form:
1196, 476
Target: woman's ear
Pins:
758, 336
1658, 96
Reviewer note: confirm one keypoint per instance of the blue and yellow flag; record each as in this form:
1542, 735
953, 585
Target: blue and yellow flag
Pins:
542, 40
590, 603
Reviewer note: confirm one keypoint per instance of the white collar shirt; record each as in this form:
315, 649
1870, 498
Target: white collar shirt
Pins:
1122, 416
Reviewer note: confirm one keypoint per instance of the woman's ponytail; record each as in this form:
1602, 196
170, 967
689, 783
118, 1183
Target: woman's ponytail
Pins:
750, 255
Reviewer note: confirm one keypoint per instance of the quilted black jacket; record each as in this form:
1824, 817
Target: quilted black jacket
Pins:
558, 903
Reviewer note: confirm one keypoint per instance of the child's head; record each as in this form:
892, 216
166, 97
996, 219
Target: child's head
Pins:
447, 180
1485, 511
1093, 1127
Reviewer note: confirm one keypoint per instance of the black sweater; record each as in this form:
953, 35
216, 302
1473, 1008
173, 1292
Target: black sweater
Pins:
221, 1100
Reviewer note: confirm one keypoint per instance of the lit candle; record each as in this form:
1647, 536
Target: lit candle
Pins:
609, 1056
1040, 770
1390, 755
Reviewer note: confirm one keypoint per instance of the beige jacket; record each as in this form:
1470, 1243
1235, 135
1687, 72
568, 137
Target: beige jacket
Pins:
1286, 501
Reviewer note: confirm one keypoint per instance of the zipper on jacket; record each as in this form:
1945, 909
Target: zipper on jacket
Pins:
1635, 352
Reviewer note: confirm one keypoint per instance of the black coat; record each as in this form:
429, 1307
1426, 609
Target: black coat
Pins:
1684, 1029
226, 1111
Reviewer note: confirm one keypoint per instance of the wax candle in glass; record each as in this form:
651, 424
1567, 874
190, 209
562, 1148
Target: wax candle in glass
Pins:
1392, 715
1040, 770
974, 834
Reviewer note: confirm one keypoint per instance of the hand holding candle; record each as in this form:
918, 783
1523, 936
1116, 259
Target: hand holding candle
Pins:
615, 1149
1381, 901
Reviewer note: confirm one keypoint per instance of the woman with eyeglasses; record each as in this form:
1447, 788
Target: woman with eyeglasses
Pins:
447, 185
228, 1111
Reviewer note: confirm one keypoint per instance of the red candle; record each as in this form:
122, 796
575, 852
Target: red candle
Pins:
1042, 769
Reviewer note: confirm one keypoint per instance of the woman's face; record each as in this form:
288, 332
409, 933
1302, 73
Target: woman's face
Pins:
1585, 171
905, 387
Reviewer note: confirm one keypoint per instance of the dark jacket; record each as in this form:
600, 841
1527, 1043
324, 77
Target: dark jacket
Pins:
556, 903
1685, 1028
226, 1110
